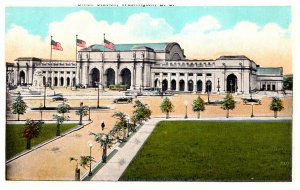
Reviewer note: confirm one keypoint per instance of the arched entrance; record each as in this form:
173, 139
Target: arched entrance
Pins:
126, 77
22, 78
61, 81
156, 83
208, 86
190, 85
55, 81
110, 77
164, 85
94, 77
181, 85
68, 81
173, 84
199, 85
231, 83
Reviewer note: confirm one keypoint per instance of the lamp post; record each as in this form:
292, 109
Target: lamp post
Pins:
127, 123
41, 112
45, 86
90, 145
89, 114
252, 115
186, 104
98, 83
218, 86
207, 90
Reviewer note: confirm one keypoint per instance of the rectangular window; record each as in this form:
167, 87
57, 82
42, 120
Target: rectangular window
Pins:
208, 74
61, 72
181, 74
74, 72
68, 72
191, 74
165, 74
173, 74
156, 73
55, 72
199, 74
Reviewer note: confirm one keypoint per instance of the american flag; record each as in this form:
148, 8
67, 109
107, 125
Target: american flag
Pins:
109, 45
80, 43
56, 45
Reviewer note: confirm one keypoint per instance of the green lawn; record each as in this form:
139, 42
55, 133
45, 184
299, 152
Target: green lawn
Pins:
15, 143
214, 151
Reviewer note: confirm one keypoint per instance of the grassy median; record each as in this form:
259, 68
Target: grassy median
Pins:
214, 151
16, 143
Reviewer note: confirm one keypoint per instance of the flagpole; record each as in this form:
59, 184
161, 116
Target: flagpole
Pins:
50, 60
77, 77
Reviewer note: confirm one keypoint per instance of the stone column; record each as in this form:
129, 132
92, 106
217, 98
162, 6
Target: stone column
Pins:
77, 72
186, 82
195, 82
160, 79
177, 81
65, 78
169, 81
152, 80
52, 78
101, 77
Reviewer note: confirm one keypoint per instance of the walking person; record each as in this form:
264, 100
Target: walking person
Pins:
102, 125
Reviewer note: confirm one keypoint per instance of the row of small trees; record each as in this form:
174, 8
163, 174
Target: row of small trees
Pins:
228, 104
119, 133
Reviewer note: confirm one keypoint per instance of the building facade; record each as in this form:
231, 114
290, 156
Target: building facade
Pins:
162, 65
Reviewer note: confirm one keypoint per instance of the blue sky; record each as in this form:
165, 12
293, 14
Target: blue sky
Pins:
36, 20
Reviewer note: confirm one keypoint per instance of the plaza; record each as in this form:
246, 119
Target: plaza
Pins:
51, 161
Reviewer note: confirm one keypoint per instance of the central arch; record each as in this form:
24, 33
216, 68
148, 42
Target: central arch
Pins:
22, 78
164, 85
94, 77
110, 77
126, 77
231, 83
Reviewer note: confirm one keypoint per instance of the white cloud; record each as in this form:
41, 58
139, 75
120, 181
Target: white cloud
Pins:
203, 39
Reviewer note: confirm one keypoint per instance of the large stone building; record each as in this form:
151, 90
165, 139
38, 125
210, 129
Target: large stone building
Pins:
161, 65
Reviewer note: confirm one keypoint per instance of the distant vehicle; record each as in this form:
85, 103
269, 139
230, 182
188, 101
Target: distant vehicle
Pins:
58, 97
251, 100
123, 100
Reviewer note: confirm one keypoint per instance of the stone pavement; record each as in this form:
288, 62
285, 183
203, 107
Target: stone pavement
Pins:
115, 167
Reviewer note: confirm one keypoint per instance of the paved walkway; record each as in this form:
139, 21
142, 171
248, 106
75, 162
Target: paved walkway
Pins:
115, 167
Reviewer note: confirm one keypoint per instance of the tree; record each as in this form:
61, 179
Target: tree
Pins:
59, 120
198, 105
82, 111
32, 130
288, 83
228, 104
106, 141
85, 161
63, 108
19, 106
166, 107
141, 113
276, 105
121, 123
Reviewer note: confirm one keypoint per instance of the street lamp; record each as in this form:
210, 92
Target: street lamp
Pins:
90, 145
98, 83
207, 90
252, 115
89, 114
127, 123
45, 86
41, 112
186, 104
